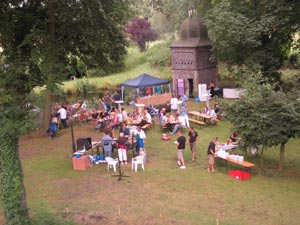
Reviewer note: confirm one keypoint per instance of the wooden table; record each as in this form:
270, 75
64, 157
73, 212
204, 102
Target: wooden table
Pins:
194, 117
244, 164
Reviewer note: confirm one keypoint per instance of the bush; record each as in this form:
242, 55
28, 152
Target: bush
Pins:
295, 60
160, 55
45, 217
84, 87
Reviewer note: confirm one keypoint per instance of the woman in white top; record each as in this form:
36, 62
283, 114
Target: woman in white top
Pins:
174, 104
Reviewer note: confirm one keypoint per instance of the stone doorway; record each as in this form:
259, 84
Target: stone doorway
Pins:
191, 88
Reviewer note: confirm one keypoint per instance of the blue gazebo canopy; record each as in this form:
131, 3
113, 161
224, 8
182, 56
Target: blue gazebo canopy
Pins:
144, 80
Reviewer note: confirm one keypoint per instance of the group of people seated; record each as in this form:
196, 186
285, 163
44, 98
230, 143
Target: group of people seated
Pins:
172, 122
213, 112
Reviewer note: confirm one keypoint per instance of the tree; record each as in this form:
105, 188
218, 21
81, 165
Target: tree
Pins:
256, 34
263, 116
40, 39
166, 16
140, 32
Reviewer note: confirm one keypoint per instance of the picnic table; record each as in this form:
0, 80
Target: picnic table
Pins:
220, 153
199, 118
244, 163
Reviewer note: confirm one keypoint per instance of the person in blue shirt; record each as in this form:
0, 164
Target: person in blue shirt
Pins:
184, 111
107, 143
140, 140
158, 89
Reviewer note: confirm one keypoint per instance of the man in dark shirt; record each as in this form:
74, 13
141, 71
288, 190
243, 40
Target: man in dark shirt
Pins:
180, 149
193, 137
211, 155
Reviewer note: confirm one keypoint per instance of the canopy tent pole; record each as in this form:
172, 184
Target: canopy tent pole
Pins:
122, 90
153, 89
169, 88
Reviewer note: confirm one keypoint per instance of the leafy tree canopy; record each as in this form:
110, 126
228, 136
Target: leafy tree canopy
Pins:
263, 116
166, 15
140, 32
91, 30
40, 39
257, 34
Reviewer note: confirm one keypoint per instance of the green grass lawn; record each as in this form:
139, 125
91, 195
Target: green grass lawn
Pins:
162, 194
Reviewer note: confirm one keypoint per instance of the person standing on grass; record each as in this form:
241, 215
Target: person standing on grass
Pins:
63, 116
193, 137
211, 155
140, 141
122, 151
107, 142
184, 111
174, 104
180, 142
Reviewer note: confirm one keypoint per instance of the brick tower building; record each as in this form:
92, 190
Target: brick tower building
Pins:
191, 58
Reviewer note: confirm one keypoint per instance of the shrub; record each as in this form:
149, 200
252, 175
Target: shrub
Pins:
45, 217
84, 87
295, 60
160, 55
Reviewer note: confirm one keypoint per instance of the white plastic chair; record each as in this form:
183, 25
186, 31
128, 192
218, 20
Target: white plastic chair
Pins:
138, 160
111, 163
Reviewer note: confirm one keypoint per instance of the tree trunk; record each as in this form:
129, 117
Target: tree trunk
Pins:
261, 156
13, 195
47, 112
48, 71
281, 157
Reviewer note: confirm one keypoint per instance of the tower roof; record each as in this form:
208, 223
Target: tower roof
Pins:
193, 33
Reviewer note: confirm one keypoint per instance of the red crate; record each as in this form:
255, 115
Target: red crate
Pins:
239, 175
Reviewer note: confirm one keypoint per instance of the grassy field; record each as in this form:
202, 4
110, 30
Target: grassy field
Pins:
162, 194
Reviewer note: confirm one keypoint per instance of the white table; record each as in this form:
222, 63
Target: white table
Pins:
207, 99
119, 103
140, 106
227, 147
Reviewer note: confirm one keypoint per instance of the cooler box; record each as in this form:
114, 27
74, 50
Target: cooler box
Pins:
81, 163
239, 175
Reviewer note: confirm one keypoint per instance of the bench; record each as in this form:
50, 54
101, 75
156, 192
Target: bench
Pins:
197, 121
164, 128
146, 126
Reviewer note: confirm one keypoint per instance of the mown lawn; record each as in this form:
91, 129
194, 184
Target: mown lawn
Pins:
162, 194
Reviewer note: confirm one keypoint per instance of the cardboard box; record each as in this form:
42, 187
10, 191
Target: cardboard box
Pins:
81, 163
